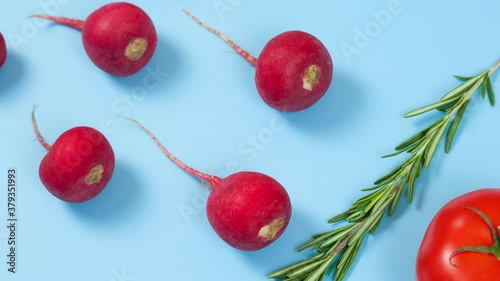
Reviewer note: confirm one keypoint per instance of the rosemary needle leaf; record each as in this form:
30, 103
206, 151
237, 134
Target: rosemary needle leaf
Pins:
420, 146
338, 218
429, 153
464, 78
313, 242
298, 278
483, 89
346, 260
414, 174
357, 216
375, 225
454, 126
321, 239
365, 199
324, 234
397, 198
306, 269
491, 96
416, 141
426, 108
337, 237
411, 188
386, 195
372, 188
393, 154
388, 176
359, 233
411, 141
425, 132
285, 272
320, 272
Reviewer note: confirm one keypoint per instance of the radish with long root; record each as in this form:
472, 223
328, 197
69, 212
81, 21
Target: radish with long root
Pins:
79, 164
120, 38
293, 71
3, 50
248, 210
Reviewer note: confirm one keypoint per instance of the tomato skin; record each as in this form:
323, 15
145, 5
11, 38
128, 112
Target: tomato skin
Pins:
454, 227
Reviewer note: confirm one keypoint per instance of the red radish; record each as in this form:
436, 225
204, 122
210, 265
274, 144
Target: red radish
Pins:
3, 50
78, 165
293, 71
119, 38
248, 210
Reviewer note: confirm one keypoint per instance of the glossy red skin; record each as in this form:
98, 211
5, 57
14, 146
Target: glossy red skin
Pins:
64, 168
454, 227
107, 32
3, 50
281, 67
241, 204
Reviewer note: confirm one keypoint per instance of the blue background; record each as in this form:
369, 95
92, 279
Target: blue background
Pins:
205, 109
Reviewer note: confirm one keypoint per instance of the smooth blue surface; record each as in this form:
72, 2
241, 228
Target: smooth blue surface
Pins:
205, 109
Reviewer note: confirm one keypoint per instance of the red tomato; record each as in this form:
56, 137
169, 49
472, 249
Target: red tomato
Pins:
456, 226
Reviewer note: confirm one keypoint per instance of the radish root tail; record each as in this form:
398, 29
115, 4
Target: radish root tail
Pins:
37, 132
251, 59
76, 24
210, 179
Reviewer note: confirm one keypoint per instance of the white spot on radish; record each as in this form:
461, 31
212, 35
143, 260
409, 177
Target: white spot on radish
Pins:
269, 231
95, 175
136, 48
311, 77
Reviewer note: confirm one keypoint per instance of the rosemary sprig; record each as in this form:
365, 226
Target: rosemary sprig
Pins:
337, 249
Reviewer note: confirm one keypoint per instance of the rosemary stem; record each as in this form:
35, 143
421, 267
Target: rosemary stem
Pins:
494, 67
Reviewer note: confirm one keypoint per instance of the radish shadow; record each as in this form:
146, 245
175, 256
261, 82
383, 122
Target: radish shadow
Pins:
116, 203
10, 73
160, 71
337, 109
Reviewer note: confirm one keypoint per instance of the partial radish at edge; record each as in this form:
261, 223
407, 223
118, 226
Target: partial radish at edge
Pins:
3, 50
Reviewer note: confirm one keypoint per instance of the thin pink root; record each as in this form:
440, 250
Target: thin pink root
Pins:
37, 132
251, 59
212, 180
76, 24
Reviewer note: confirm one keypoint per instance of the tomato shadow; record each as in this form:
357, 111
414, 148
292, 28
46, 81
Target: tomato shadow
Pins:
283, 251
161, 71
10, 74
336, 110
116, 203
